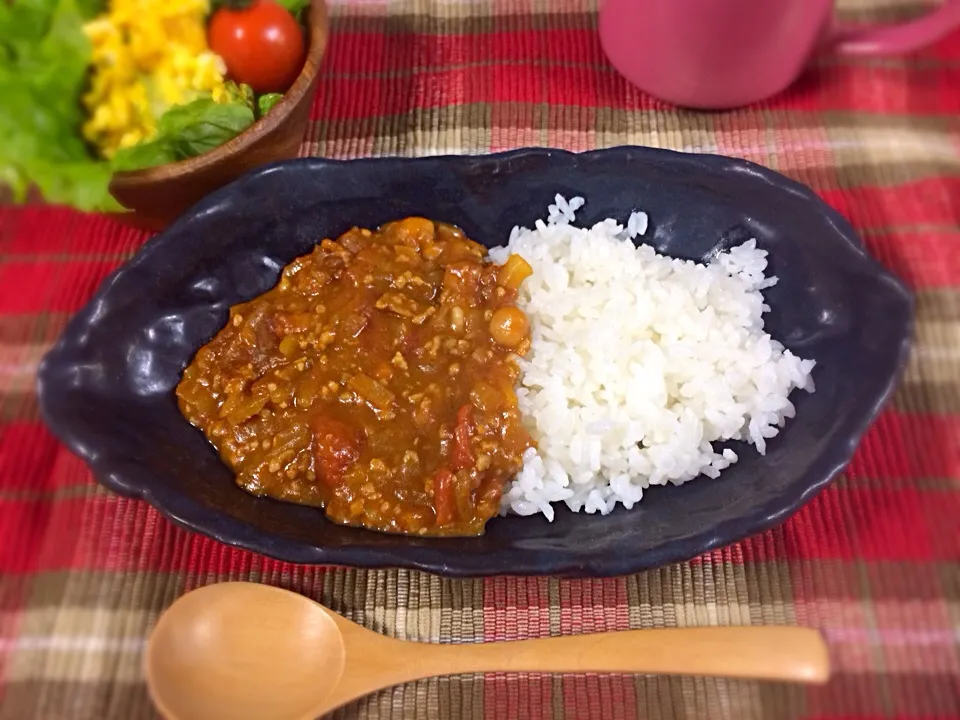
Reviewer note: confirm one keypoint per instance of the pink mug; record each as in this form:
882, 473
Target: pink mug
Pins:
727, 53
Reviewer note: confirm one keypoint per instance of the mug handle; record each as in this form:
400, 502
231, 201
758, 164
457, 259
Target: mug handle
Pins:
896, 39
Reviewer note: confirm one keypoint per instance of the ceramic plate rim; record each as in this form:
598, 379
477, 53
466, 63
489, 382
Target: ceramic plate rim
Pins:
211, 522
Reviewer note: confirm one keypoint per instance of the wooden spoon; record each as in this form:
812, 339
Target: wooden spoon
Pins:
242, 650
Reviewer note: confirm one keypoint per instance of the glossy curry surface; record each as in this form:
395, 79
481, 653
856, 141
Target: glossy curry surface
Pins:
375, 380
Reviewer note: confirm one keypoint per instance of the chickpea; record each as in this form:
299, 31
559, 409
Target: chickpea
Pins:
509, 326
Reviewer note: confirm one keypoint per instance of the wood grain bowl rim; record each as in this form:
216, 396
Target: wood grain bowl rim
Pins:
318, 28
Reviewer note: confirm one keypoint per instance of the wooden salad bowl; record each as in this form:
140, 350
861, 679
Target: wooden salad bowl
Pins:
157, 196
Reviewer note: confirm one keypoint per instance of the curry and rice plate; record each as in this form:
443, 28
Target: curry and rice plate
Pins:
408, 381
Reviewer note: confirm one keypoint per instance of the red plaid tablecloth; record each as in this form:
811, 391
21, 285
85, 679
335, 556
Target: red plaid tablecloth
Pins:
874, 560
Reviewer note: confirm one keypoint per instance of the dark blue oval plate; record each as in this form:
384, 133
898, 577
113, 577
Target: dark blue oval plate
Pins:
106, 388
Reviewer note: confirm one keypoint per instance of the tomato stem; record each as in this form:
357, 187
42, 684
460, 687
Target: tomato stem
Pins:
230, 4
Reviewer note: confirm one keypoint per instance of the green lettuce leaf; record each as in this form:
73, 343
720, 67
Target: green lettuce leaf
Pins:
45, 56
202, 125
295, 7
44, 61
147, 154
266, 102
186, 131
240, 93
89, 9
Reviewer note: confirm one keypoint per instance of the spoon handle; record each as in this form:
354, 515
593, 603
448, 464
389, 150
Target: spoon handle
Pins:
772, 653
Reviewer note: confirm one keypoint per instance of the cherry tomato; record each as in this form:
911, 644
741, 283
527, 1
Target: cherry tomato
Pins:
261, 44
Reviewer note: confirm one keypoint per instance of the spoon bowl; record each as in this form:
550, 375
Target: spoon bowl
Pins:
243, 651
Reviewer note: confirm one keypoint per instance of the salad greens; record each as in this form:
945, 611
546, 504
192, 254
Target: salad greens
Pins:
43, 65
295, 7
266, 102
44, 62
187, 130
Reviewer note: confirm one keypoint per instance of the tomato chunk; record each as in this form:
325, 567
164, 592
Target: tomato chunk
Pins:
336, 446
462, 451
444, 502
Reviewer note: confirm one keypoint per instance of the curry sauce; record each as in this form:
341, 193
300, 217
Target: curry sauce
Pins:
375, 380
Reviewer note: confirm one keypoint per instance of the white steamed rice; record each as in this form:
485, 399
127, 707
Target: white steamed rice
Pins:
638, 363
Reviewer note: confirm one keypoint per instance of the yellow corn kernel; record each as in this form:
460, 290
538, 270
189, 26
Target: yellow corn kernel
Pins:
141, 43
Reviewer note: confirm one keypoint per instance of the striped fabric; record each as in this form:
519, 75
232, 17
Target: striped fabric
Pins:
874, 561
